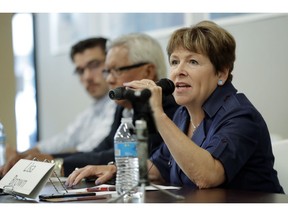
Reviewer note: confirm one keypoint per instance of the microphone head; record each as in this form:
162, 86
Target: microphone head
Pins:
167, 86
117, 93
120, 93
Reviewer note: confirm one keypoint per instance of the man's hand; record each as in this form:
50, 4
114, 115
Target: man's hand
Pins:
13, 159
102, 172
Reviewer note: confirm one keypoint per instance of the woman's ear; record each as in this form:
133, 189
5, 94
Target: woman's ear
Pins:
223, 76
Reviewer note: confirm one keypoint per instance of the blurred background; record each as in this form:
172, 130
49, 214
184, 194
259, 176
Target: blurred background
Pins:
40, 95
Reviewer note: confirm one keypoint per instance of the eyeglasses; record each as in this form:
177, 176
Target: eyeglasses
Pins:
92, 66
117, 72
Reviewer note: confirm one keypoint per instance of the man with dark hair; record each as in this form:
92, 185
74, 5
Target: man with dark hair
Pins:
93, 124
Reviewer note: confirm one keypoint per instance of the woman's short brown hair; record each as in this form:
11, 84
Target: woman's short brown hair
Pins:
209, 39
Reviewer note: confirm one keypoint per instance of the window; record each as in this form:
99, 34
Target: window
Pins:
25, 101
122, 23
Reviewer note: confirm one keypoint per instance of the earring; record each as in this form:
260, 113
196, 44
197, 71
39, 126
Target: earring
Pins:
220, 82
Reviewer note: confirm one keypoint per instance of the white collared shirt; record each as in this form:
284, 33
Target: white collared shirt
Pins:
86, 132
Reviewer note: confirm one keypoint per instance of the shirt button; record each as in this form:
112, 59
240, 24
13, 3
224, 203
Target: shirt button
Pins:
169, 163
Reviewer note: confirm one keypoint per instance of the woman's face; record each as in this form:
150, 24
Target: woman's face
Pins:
194, 77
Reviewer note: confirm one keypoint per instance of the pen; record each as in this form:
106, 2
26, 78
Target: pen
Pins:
65, 195
99, 189
69, 199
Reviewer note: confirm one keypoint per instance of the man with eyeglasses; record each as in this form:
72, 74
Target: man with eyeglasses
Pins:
93, 124
130, 57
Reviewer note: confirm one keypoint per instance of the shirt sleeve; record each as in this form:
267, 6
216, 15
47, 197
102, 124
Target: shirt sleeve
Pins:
235, 140
100, 155
64, 141
85, 133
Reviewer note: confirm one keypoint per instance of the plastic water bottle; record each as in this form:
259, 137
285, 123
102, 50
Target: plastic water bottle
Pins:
2, 145
126, 158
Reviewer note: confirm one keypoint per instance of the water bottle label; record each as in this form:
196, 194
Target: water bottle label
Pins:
127, 149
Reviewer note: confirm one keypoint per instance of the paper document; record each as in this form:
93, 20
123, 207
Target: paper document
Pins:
108, 189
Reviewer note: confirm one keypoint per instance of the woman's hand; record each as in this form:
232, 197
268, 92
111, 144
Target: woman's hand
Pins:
102, 172
156, 92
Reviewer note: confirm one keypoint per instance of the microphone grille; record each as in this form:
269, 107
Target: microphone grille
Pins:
117, 93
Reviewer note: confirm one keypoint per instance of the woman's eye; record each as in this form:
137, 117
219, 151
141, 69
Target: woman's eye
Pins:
193, 62
173, 62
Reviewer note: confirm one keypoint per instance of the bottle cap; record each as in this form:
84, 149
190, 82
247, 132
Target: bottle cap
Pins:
126, 120
141, 124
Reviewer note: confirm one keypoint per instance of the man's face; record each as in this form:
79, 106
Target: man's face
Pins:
117, 57
89, 65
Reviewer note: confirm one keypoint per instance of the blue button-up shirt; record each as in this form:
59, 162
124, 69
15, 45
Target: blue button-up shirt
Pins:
235, 133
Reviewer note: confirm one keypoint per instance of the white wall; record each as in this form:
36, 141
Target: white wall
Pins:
60, 93
260, 72
261, 69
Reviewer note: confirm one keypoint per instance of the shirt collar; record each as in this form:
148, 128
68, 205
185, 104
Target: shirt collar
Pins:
103, 99
217, 98
102, 103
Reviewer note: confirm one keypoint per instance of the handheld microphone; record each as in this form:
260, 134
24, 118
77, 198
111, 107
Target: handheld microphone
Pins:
121, 93
137, 96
